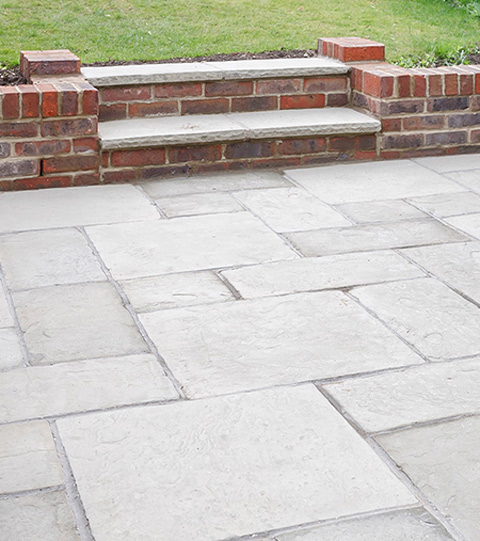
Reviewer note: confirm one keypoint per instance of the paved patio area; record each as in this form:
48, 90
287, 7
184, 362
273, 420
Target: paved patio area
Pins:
290, 357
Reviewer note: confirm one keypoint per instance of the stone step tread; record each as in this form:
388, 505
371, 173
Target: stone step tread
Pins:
195, 129
102, 76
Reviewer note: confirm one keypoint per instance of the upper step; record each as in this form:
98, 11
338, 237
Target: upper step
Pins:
103, 76
195, 129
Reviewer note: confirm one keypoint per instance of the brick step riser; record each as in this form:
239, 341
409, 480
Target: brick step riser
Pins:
133, 101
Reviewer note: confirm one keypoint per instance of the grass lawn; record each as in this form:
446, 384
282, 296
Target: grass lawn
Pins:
154, 29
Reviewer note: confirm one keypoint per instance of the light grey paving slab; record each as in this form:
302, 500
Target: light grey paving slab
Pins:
408, 525
175, 290
469, 223
444, 164
291, 209
44, 258
187, 244
6, 319
442, 460
309, 274
45, 391
78, 321
199, 203
413, 395
469, 179
28, 459
452, 204
456, 264
338, 184
373, 237
198, 469
251, 180
391, 210
65, 207
37, 517
428, 314
10, 351
245, 345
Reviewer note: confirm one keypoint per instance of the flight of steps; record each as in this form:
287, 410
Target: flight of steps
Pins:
164, 119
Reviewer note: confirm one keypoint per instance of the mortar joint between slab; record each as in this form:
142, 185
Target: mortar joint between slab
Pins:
152, 201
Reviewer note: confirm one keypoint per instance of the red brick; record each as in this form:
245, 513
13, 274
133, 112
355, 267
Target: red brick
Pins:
215, 105
105, 159
178, 90
165, 170
4, 150
278, 86
451, 84
151, 109
229, 88
365, 142
69, 163
10, 101
86, 144
209, 167
402, 141
74, 126
428, 122
126, 93
274, 162
379, 85
41, 182
477, 83
209, 153
446, 138
123, 175
86, 179
475, 136
351, 49
19, 168
256, 103
301, 146
68, 101
318, 159
337, 100
341, 143
18, 129
90, 102
42, 148
365, 155
465, 84
302, 102
117, 111
325, 84
402, 106
30, 101
55, 62
124, 158
49, 99
419, 86
435, 85
249, 149
404, 84
391, 124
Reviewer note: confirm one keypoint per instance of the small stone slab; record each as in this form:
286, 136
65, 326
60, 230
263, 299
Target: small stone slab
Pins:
428, 314
251, 180
329, 272
28, 459
409, 525
175, 290
350, 183
452, 204
49, 391
78, 321
10, 351
197, 469
198, 203
373, 237
44, 258
290, 209
469, 223
187, 244
442, 460
445, 164
413, 395
66, 207
33, 517
391, 210
231, 347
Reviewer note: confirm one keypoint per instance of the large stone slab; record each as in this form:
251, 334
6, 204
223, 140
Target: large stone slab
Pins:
391, 210
316, 273
468, 179
78, 321
442, 460
6, 319
408, 525
252, 344
469, 223
41, 391
428, 314
37, 517
187, 244
175, 290
371, 181
413, 395
456, 264
291, 209
44, 258
451, 204
373, 237
444, 164
28, 459
66, 207
198, 203
214, 469
10, 350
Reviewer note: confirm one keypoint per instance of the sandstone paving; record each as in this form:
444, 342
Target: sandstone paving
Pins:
198, 203
368, 237
444, 205
224, 467
77, 321
442, 460
229, 347
390, 210
316, 273
28, 459
187, 244
44, 516
469, 223
468, 179
402, 525
445, 164
174, 290
412, 395
428, 314
10, 350
60, 389
6, 319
